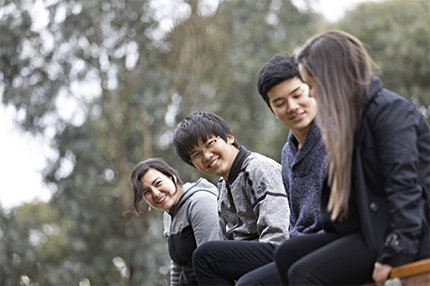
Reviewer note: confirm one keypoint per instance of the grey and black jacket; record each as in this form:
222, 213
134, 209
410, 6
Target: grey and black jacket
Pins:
253, 204
190, 222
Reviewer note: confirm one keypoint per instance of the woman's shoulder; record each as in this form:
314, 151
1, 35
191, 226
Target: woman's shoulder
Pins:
201, 188
388, 105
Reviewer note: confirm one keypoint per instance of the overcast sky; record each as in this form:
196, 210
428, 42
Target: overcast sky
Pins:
23, 157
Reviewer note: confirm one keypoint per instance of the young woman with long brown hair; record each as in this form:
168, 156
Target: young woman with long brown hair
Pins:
375, 202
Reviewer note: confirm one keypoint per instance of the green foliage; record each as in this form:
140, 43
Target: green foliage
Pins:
398, 35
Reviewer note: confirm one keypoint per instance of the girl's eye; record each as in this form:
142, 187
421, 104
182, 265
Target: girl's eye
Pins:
279, 104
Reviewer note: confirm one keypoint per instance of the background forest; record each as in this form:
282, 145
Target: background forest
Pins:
131, 71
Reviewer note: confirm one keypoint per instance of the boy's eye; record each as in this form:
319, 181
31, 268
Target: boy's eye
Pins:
210, 144
196, 156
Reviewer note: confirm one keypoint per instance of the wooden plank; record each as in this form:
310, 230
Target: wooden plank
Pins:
412, 274
411, 269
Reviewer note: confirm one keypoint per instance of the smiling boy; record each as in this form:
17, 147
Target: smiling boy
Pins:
304, 165
252, 203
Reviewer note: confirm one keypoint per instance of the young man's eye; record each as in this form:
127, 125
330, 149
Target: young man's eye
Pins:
195, 156
279, 104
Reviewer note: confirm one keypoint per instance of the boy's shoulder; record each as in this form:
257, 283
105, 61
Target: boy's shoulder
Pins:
257, 160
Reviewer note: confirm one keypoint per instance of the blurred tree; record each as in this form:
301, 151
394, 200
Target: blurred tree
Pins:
34, 243
88, 50
398, 35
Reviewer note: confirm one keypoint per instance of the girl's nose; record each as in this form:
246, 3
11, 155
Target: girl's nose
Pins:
155, 192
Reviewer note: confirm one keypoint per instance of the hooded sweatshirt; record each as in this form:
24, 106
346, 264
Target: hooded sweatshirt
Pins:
190, 222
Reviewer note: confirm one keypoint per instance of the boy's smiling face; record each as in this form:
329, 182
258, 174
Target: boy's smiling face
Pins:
216, 156
293, 106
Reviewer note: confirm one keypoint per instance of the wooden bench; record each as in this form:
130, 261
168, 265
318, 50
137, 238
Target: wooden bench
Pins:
412, 274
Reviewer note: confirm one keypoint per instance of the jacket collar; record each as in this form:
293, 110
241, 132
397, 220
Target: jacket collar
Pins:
237, 164
189, 190
373, 88
311, 139
372, 91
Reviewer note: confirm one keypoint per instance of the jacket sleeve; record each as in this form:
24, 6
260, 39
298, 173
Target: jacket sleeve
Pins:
203, 216
175, 272
395, 133
270, 203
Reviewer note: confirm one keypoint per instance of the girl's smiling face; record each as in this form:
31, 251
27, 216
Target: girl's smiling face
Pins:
159, 191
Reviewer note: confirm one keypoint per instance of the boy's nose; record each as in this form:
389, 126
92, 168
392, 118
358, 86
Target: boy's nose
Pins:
207, 154
292, 105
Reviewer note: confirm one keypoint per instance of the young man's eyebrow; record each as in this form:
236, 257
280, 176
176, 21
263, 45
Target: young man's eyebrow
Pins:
292, 92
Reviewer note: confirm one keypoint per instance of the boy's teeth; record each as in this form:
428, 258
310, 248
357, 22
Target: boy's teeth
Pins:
213, 163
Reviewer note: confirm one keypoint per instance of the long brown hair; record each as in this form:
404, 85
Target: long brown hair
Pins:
342, 69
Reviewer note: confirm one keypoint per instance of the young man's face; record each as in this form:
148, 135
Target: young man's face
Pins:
292, 104
215, 156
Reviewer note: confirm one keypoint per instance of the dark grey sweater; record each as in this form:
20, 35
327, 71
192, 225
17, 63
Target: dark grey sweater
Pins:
303, 173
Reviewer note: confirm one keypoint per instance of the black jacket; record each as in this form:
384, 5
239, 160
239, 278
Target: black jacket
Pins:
391, 177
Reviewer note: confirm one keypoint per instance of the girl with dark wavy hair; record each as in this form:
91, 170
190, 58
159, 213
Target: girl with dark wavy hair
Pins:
190, 212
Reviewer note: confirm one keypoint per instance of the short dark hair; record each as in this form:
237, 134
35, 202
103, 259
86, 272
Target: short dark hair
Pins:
141, 169
198, 125
280, 68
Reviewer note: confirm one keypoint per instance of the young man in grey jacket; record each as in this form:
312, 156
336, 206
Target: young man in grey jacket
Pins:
304, 165
253, 206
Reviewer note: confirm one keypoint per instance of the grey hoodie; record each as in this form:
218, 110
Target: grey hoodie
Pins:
190, 222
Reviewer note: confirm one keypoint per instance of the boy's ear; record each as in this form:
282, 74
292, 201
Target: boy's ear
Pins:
271, 110
230, 138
